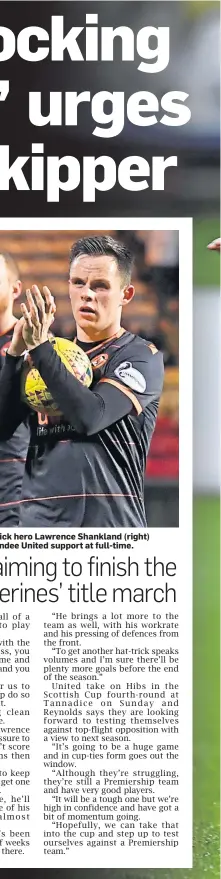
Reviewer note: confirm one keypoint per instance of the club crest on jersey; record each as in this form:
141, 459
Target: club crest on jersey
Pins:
99, 361
131, 377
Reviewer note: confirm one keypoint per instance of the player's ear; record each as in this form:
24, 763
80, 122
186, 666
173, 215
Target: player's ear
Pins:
128, 294
17, 288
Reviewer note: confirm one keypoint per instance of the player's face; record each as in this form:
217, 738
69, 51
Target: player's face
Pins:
97, 293
9, 287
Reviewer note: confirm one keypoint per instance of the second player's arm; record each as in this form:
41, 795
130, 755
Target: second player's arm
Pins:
12, 411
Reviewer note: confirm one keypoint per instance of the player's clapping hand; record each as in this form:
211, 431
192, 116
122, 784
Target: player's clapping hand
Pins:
17, 346
38, 316
215, 245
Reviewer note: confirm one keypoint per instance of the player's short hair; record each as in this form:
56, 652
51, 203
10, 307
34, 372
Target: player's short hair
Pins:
104, 245
11, 263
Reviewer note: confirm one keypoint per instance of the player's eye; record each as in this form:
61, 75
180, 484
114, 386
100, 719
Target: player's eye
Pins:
77, 282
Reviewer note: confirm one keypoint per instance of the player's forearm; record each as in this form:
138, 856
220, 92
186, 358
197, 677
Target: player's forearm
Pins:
12, 410
78, 405
86, 410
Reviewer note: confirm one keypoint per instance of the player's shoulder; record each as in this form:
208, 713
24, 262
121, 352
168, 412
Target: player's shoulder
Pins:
144, 349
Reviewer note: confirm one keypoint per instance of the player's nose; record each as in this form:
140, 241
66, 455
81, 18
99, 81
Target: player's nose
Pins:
86, 294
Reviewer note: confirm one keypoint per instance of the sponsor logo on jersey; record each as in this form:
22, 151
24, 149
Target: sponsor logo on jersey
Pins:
153, 348
131, 377
99, 361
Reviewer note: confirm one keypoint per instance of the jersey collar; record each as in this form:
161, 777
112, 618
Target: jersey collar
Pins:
106, 342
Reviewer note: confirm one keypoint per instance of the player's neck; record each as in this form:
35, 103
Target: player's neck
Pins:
7, 321
91, 335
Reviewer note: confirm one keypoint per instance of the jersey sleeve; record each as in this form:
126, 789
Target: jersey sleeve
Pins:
137, 371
